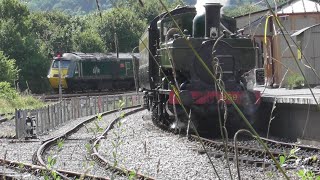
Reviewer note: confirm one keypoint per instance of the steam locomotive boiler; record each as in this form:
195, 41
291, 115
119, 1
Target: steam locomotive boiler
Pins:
187, 59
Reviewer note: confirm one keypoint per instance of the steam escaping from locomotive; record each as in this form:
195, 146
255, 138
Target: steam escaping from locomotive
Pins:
200, 4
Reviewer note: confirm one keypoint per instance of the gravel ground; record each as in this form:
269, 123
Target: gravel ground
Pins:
143, 147
8, 128
23, 151
15, 151
16, 174
75, 152
162, 155
298, 153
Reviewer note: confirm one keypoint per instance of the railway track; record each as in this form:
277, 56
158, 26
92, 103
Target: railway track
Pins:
7, 125
99, 158
72, 142
40, 171
6, 117
254, 154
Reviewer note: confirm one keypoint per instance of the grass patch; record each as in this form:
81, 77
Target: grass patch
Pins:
295, 81
10, 100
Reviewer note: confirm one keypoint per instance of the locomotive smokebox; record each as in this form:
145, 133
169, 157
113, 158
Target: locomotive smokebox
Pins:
212, 20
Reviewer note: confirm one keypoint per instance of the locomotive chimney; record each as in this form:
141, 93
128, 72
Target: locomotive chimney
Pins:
212, 19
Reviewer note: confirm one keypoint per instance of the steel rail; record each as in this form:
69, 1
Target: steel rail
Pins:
53, 141
38, 169
251, 153
98, 157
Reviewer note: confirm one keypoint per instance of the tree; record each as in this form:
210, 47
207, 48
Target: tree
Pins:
122, 22
19, 43
88, 41
150, 9
241, 10
8, 69
55, 29
14, 10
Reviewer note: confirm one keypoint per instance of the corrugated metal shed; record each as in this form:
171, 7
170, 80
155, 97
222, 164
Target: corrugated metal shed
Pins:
299, 6
290, 7
309, 40
294, 15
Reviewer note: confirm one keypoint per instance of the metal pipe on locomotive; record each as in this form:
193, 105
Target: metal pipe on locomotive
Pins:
167, 59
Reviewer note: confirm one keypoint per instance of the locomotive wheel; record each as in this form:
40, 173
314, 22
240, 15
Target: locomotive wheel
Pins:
154, 113
156, 117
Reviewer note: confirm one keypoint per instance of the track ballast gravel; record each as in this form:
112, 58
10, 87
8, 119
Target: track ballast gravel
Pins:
75, 154
139, 145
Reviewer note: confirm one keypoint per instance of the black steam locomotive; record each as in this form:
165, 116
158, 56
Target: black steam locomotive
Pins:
179, 86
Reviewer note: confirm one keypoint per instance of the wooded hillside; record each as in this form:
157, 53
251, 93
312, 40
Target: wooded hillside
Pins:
77, 7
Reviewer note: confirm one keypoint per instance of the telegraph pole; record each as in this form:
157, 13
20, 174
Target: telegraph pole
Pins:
60, 85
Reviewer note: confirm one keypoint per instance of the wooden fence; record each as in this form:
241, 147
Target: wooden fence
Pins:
56, 114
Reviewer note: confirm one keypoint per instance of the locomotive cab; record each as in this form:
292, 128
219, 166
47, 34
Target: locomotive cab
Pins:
53, 75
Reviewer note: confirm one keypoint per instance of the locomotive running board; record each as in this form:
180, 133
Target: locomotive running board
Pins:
164, 91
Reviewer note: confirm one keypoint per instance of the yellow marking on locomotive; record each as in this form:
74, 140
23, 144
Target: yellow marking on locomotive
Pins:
234, 97
54, 78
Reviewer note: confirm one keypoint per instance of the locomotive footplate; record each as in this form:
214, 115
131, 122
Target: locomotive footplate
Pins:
203, 106
189, 98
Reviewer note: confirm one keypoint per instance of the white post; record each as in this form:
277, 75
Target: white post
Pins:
60, 85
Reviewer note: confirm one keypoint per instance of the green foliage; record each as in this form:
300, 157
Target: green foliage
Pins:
81, 7
72, 7
151, 8
234, 11
33, 38
60, 143
122, 22
11, 100
99, 116
21, 165
132, 175
305, 174
97, 128
52, 160
295, 81
88, 41
7, 92
292, 155
8, 69
88, 147
18, 43
11, 39
12, 9
54, 29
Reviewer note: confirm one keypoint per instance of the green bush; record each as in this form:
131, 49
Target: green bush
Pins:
8, 69
10, 99
295, 81
7, 92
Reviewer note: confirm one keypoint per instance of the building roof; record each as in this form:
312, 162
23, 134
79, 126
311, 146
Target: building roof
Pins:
292, 6
303, 30
299, 6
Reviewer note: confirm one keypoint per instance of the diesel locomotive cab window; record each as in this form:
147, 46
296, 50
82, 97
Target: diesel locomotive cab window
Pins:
64, 64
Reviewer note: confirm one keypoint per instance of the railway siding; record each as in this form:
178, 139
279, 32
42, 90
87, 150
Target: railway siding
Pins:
56, 114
